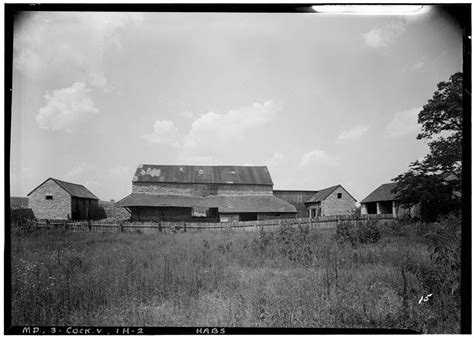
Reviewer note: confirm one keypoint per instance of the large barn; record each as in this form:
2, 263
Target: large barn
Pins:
204, 193
56, 199
314, 203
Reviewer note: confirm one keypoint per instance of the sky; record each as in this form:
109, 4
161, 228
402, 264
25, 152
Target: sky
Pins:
320, 99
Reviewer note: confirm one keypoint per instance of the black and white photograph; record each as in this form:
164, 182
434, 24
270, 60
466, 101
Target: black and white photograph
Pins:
218, 168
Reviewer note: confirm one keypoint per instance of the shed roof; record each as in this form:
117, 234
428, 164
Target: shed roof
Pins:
321, 195
382, 193
225, 204
73, 189
255, 175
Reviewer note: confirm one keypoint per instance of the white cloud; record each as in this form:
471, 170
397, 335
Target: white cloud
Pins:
403, 123
213, 133
66, 108
164, 132
317, 157
379, 37
50, 45
353, 133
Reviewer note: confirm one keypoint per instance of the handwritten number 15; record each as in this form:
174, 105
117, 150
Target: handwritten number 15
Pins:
425, 299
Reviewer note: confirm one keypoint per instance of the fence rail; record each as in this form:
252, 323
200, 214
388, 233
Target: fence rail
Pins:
324, 222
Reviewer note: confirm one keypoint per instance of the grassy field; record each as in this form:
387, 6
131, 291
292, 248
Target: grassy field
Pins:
287, 278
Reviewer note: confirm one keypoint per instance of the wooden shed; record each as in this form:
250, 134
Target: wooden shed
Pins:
381, 201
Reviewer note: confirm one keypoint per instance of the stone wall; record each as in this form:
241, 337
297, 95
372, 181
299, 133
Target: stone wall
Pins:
198, 189
57, 208
173, 189
244, 189
338, 206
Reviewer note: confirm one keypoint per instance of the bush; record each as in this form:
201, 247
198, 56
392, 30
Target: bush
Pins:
364, 232
368, 232
292, 243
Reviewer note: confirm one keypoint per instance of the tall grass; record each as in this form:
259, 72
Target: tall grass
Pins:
286, 278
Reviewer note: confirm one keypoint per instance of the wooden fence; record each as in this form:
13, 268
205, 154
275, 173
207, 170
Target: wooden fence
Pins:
324, 222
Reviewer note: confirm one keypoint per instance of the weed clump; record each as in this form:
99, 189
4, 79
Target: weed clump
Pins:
364, 232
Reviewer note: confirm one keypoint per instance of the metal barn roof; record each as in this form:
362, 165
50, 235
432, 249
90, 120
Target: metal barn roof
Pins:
203, 174
226, 204
73, 189
382, 193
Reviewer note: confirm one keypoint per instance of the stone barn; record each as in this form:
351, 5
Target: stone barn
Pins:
203, 194
326, 202
55, 199
331, 201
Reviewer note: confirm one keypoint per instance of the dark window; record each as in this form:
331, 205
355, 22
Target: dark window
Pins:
49, 197
339, 195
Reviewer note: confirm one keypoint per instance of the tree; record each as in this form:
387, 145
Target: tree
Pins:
426, 181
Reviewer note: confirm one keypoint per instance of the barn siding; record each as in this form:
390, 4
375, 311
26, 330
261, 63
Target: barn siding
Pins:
296, 198
229, 217
57, 208
167, 214
338, 206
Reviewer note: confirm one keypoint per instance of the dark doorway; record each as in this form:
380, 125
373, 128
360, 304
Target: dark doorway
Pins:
371, 207
247, 216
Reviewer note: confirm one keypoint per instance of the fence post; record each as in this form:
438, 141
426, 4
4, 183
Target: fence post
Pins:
121, 226
184, 226
89, 225
159, 227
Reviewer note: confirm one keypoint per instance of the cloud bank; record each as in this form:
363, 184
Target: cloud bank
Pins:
66, 108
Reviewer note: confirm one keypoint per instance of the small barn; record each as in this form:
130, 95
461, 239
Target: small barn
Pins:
331, 201
381, 201
203, 194
314, 203
56, 199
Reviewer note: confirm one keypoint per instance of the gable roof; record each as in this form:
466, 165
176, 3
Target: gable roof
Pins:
203, 174
322, 194
73, 189
225, 204
382, 193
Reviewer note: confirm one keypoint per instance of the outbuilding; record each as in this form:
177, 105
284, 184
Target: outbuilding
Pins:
332, 201
381, 201
56, 199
